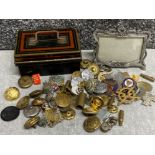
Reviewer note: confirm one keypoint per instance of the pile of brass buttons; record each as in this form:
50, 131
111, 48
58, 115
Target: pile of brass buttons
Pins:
95, 89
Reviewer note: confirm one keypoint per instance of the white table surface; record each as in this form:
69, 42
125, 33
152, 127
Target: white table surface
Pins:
138, 118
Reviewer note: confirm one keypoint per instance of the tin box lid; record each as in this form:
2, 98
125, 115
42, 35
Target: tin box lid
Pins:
121, 50
42, 43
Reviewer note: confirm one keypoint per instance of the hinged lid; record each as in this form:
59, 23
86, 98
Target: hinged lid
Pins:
121, 49
40, 46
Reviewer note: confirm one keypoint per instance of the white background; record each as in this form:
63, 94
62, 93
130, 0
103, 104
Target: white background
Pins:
71, 9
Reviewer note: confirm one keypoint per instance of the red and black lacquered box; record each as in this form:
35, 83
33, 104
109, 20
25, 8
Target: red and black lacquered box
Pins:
48, 52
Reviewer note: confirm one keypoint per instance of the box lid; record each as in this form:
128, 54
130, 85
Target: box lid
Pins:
34, 44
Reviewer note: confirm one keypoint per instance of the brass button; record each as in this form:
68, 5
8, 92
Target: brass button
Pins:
85, 63
62, 100
69, 114
25, 82
31, 122
91, 124
31, 111
38, 101
11, 94
36, 93
112, 108
23, 102
76, 74
89, 111
94, 68
105, 100
97, 103
101, 76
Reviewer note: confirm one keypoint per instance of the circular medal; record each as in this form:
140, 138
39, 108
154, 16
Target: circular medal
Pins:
25, 82
12, 94
31, 111
23, 102
10, 113
91, 124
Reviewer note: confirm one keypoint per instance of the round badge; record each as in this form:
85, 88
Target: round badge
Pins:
23, 102
128, 82
94, 68
10, 113
31, 111
25, 82
12, 93
91, 124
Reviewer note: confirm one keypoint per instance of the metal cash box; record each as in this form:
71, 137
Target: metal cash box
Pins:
48, 52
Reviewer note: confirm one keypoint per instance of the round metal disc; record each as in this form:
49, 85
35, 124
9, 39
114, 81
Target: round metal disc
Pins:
62, 100
12, 93
105, 127
31, 111
145, 86
10, 113
91, 124
25, 82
